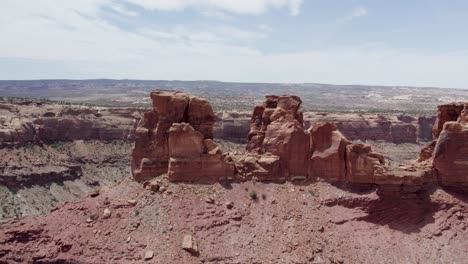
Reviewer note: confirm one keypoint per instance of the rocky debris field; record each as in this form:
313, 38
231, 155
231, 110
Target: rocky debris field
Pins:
34, 178
250, 222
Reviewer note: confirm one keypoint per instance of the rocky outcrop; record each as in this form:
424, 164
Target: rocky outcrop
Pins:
328, 153
36, 122
281, 148
446, 113
363, 165
195, 158
176, 138
277, 129
451, 151
448, 153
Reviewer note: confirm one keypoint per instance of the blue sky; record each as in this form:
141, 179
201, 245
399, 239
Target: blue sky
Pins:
381, 42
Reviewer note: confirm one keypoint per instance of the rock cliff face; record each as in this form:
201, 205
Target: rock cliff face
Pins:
328, 153
233, 126
34, 122
176, 138
396, 129
451, 150
446, 113
281, 148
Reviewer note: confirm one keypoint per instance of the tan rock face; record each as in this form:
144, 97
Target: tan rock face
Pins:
363, 165
191, 160
277, 131
176, 138
446, 113
451, 153
329, 151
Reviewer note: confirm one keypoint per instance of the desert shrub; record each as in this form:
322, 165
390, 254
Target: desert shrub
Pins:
55, 145
253, 195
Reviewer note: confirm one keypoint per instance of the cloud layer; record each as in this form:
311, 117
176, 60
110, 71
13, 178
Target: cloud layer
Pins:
242, 7
80, 39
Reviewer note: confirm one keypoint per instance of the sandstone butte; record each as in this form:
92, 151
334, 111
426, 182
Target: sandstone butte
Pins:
176, 139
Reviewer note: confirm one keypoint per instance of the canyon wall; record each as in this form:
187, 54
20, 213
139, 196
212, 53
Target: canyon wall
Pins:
35, 121
395, 129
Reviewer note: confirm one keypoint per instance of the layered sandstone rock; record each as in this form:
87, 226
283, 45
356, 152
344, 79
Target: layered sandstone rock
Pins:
363, 165
328, 153
176, 138
234, 126
451, 153
446, 113
448, 153
193, 158
396, 129
281, 148
38, 121
277, 130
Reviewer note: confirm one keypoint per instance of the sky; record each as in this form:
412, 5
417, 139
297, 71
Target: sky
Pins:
370, 42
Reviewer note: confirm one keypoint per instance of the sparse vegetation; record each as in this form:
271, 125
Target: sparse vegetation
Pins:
312, 192
253, 195
55, 145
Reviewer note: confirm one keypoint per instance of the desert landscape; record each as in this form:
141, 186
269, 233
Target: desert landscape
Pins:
182, 179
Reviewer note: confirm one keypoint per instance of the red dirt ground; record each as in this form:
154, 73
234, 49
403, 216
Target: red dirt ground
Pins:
288, 223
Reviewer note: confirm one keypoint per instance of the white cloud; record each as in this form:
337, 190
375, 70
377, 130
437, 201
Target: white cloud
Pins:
75, 36
243, 7
359, 12
123, 11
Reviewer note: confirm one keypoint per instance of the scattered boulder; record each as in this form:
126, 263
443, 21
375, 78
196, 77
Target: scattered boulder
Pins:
149, 254
190, 244
107, 213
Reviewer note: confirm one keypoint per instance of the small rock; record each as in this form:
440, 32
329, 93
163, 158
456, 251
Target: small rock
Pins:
107, 213
210, 199
162, 189
93, 193
321, 229
189, 244
459, 215
229, 205
128, 239
132, 202
153, 186
149, 255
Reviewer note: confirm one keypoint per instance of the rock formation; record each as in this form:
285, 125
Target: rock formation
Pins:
176, 138
446, 113
25, 122
451, 150
328, 153
281, 148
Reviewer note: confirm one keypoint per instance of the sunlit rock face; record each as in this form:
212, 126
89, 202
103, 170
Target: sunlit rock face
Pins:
174, 138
